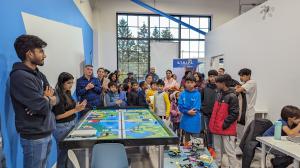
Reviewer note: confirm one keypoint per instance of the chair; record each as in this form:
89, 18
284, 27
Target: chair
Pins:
112, 155
249, 143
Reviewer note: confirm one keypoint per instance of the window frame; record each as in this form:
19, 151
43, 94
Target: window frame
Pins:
179, 39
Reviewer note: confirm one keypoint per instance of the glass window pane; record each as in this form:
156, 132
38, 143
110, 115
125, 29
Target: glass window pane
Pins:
132, 21
202, 36
133, 56
143, 32
174, 24
133, 67
143, 57
154, 32
193, 54
185, 46
143, 69
185, 20
194, 21
174, 33
143, 45
194, 45
123, 67
201, 55
143, 20
134, 31
185, 34
185, 54
202, 46
164, 22
194, 34
154, 21
205, 30
122, 17
204, 22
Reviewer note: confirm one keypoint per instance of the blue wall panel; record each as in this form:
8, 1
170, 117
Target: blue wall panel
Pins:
12, 26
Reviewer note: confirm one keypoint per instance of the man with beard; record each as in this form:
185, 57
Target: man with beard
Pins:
32, 99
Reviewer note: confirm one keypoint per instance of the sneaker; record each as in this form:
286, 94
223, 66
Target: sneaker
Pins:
212, 152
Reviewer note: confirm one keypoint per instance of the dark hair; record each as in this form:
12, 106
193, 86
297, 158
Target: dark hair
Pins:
169, 71
245, 71
111, 75
190, 78
24, 43
212, 72
110, 84
107, 71
125, 87
289, 112
224, 79
186, 73
88, 65
62, 79
222, 69
134, 82
199, 75
148, 76
153, 82
142, 84
101, 68
160, 82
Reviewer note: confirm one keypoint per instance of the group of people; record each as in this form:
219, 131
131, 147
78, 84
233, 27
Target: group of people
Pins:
193, 106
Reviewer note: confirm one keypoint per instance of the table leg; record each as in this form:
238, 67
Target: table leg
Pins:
263, 155
161, 156
87, 157
296, 163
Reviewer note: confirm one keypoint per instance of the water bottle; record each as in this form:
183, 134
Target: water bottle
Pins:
278, 128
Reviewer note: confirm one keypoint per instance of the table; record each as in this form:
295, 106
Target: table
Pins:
128, 126
287, 147
170, 162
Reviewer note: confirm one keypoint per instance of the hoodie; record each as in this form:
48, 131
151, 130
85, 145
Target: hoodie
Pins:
208, 99
33, 116
190, 100
111, 98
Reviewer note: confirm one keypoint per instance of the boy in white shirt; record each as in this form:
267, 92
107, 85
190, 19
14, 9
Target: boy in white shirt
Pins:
249, 87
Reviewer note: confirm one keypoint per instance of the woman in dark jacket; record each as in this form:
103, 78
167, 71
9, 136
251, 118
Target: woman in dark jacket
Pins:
65, 114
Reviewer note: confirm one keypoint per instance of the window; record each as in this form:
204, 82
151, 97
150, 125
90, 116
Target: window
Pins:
135, 31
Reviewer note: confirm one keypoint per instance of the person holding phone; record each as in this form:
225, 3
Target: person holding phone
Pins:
65, 114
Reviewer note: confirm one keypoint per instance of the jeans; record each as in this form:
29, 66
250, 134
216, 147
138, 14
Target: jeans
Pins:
209, 134
36, 152
61, 131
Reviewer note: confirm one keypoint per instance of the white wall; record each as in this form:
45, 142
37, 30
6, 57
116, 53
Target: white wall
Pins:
105, 19
59, 59
269, 47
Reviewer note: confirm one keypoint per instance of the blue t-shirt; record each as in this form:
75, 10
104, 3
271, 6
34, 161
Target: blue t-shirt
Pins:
271, 131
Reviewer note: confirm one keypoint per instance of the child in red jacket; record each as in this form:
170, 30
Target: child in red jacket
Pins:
223, 121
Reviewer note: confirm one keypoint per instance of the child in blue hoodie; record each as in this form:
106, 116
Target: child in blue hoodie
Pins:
113, 98
189, 105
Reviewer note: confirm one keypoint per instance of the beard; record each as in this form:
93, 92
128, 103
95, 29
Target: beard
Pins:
38, 62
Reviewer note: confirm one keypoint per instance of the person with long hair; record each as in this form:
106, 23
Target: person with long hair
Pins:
113, 77
199, 81
170, 82
65, 113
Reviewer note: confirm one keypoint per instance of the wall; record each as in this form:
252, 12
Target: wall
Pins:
105, 19
269, 47
62, 14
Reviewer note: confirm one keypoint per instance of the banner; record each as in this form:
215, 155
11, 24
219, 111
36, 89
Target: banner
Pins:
185, 63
